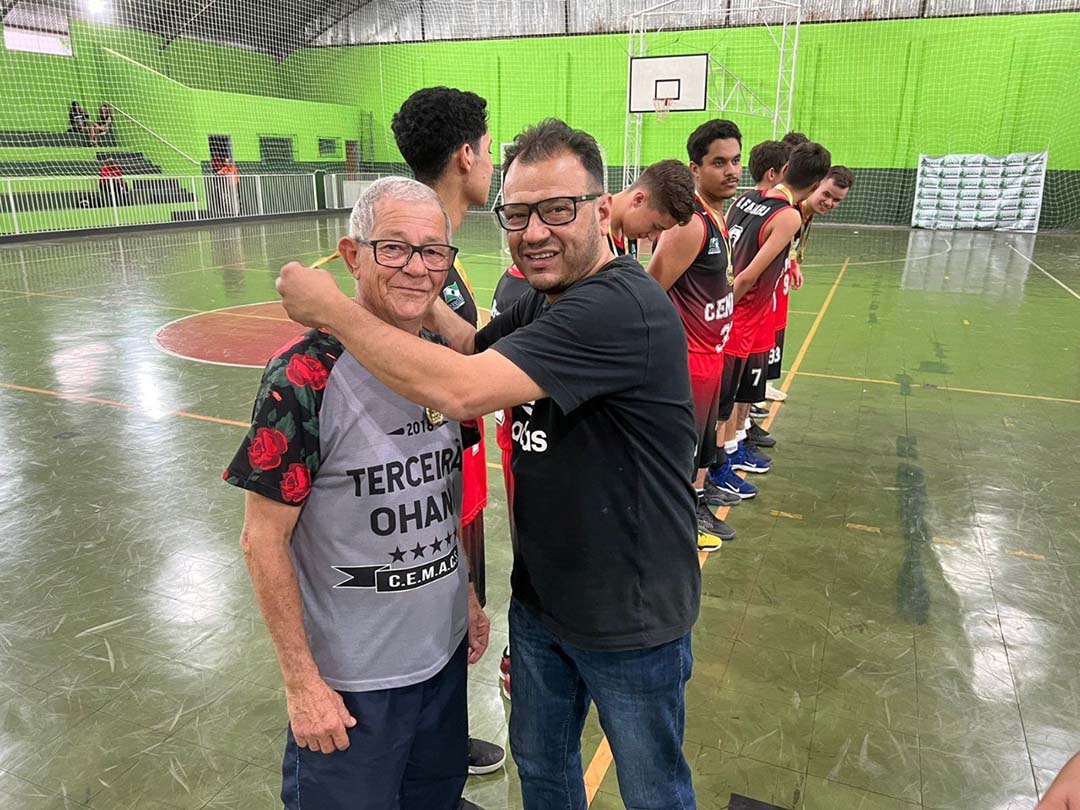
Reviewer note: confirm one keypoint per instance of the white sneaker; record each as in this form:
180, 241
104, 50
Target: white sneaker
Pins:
775, 394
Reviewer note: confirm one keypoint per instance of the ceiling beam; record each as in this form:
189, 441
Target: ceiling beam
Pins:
334, 14
176, 32
6, 8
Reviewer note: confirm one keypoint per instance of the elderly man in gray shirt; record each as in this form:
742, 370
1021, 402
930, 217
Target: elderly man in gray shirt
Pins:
351, 537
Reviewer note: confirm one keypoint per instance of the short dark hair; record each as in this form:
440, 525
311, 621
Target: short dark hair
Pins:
767, 155
550, 138
435, 122
842, 176
793, 139
807, 164
671, 189
697, 146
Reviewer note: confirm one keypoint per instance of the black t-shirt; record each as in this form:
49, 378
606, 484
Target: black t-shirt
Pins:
509, 289
603, 502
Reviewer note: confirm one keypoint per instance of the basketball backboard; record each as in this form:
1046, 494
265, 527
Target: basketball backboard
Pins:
683, 79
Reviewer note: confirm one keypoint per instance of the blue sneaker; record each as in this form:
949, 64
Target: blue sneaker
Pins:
746, 460
727, 480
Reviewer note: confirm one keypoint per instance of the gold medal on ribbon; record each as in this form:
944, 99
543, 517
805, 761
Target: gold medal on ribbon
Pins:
434, 418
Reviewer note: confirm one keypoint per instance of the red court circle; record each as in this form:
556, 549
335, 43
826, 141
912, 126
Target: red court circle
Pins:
246, 335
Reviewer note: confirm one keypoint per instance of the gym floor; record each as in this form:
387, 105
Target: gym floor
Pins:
897, 624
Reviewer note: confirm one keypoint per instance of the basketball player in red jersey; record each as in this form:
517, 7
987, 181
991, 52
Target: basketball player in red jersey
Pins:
762, 225
693, 263
443, 135
827, 196
661, 198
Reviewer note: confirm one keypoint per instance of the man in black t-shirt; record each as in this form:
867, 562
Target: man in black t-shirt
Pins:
606, 582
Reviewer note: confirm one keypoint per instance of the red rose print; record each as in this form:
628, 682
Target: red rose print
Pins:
303, 369
266, 448
296, 484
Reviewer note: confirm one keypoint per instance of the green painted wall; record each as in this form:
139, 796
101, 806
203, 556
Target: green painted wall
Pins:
876, 93
182, 93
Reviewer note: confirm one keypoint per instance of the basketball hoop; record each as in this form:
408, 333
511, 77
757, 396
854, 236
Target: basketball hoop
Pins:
662, 107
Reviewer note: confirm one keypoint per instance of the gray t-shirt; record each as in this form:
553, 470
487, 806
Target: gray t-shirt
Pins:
382, 580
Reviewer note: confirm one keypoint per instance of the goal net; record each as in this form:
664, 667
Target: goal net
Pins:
120, 112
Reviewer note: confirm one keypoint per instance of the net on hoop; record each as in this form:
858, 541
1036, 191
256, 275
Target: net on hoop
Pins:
662, 107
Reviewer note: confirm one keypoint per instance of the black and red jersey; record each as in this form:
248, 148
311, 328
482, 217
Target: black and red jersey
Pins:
508, 290
622, 246
798, 244
747, 220
703, 294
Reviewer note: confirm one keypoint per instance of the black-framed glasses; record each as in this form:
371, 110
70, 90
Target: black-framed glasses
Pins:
436, 257
552, 211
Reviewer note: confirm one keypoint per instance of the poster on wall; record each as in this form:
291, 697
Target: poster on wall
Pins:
980, 192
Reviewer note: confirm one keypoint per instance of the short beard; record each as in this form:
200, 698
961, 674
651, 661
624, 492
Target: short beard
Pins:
583, 260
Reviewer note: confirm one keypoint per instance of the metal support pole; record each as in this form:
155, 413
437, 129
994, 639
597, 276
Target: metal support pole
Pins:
11, 202
112, 195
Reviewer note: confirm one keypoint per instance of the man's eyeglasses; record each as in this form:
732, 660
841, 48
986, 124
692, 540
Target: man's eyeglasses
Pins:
552, 211
436, 257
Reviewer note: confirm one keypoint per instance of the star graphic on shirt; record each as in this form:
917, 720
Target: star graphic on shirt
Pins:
437, 545
417, 552
450, 537
397, 554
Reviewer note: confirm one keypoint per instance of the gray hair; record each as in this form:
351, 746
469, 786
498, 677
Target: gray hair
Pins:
362, 219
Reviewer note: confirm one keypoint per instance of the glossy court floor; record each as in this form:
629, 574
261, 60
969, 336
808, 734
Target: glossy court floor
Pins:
896, 626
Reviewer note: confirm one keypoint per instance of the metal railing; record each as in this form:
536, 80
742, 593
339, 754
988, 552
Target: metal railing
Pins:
70, 202
343, 190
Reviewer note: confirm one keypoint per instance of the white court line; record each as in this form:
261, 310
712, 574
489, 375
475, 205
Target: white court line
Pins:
1046, 273
63, 241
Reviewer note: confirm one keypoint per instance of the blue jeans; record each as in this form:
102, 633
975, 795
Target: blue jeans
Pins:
640, 697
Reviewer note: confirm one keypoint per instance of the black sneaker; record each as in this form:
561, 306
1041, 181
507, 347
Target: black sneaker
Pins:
757, 412
760, 436
484, 757
715, 497
711, 531
754, 450
465, 804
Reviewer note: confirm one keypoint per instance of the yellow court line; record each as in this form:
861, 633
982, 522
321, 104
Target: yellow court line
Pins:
598, 768
801, 312
947, 388
114, 404
602, 759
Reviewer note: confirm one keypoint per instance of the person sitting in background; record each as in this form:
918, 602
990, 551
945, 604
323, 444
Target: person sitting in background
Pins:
79, 121
103, 126
111, 179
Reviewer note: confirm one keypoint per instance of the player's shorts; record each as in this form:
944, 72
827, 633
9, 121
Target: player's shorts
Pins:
729, 385
474, 490
752, 382
705, 372
776, 357
474, 495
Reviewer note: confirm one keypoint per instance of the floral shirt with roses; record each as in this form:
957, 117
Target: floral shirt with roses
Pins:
376, 551
279, 457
